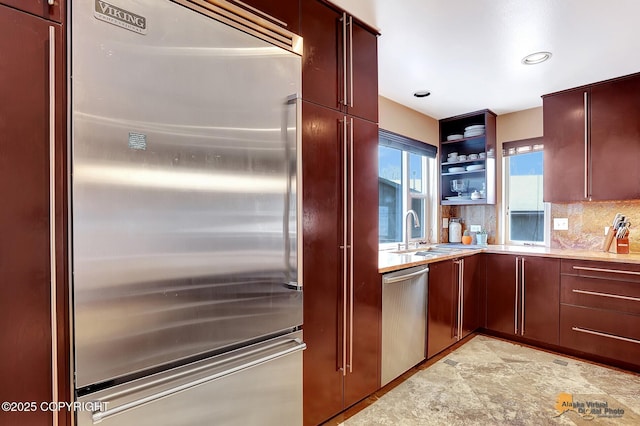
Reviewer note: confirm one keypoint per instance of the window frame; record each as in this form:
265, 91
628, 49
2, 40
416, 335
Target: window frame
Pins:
506, 214
429, 195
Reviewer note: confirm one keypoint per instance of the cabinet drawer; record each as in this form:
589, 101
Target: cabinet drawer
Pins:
605, 333
601, 293
604, 270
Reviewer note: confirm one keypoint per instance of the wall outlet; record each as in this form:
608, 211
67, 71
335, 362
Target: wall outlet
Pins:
445, 222
475, 228
560, 224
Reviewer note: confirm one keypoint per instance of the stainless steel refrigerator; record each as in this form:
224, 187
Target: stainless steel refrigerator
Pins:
187, 308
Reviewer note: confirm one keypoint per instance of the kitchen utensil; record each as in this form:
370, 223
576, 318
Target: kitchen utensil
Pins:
462, 157
473, 156
481, 155
612, 232
475, 195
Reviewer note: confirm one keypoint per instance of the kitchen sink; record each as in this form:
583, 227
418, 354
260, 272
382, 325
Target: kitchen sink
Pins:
428, 251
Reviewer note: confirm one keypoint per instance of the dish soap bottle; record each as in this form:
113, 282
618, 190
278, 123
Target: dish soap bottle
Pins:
455, 230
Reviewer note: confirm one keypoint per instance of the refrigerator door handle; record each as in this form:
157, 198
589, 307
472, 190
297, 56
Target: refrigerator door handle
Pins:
295, 345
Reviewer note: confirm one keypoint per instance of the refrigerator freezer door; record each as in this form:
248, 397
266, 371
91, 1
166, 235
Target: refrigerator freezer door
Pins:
183, 187
258, 385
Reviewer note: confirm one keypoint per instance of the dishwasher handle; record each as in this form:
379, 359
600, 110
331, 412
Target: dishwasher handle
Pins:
398, 278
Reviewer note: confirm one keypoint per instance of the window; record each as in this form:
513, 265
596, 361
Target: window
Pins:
526, 214
406, 178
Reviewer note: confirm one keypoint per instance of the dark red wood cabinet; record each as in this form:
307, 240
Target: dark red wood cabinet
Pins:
600, 310
32, 126
454, 301
592, 142
54, 12
340, 61
285, 13
523, 296
342, 295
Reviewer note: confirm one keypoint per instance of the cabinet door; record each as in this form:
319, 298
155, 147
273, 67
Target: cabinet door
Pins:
501, 293
615, 140
473, 300
322, 61
363, 90
286, 12
564, 147
322, 262
25, 288
40, 8
364, 351
540, 310
442, 309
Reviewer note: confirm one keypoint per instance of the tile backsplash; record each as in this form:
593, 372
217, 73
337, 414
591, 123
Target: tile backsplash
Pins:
587, 222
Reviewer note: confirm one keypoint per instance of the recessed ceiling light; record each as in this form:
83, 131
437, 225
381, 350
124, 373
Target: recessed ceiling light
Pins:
422, 93
536, 58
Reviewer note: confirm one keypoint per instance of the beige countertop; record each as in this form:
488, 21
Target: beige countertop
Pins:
389, 261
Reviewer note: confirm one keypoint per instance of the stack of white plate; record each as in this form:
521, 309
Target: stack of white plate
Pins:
475, 130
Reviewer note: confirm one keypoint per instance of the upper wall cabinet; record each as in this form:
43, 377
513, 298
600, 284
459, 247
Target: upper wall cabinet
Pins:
592, 142
48, 9
285, 13
340, 62
468, 159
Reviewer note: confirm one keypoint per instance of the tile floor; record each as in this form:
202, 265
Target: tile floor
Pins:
488, 381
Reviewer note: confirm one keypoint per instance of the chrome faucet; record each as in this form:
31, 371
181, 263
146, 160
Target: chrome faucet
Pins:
416, 224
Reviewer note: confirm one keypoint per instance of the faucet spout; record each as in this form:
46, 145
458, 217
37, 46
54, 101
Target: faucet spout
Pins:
416, 224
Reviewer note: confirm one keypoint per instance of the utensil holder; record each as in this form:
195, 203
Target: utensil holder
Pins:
622, 245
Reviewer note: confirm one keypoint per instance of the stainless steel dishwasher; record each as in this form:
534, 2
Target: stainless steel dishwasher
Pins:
404, 318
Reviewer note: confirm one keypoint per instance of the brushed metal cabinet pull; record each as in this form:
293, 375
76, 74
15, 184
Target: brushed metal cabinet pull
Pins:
611, 336
522, 307
614, 271
52, 216
614, 296
515, 317
351, 62
586, 145
345, 241
350, 142
344, 60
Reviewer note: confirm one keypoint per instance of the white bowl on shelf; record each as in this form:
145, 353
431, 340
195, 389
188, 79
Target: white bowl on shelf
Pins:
474, 127
454, 137
456, 169
475, 167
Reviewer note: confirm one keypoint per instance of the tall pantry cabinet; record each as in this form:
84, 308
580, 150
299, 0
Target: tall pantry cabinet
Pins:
342, 289
34, 339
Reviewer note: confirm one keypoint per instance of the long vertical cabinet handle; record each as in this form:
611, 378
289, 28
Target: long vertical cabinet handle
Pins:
351, 62
457, 325
586, 145
351, 245
515, 317
523, 291
52, 217
345, 200
460, 297
344, 59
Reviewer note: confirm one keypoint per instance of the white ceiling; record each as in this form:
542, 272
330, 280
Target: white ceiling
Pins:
468, 52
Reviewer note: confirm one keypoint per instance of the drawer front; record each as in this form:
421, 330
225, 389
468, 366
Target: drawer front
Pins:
605, 333
604, 270
601, 293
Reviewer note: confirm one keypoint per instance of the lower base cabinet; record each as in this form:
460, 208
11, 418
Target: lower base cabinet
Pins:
600, 310
455, 301
523, 296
